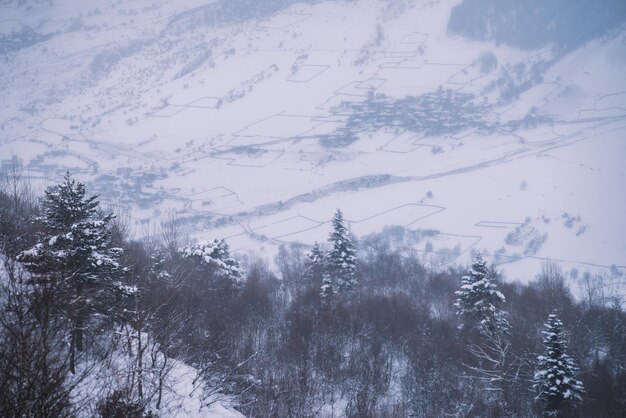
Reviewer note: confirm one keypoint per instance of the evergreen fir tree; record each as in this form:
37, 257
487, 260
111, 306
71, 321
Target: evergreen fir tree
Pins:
479, 303
479, 300
326, 290
216, 255
342, 256
315, 264
555, 381
75, 256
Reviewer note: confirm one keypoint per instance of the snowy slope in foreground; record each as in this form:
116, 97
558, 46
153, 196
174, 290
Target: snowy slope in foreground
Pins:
254, 127
184, 398
181, 392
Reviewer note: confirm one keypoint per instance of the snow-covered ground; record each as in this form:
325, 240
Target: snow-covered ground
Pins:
181, 393
255, 126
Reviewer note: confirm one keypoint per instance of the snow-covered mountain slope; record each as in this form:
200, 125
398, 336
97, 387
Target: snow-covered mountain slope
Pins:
181, 396
254, 121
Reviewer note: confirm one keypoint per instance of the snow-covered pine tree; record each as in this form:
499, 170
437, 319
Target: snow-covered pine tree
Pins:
341, 261
315, 265
216, 255
554, 379
326, 290
75, 257
479, 304
479, 300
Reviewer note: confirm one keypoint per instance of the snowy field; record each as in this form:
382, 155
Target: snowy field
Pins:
256, 128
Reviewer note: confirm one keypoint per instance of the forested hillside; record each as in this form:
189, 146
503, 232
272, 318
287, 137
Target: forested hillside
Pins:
531, 24
94, 322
